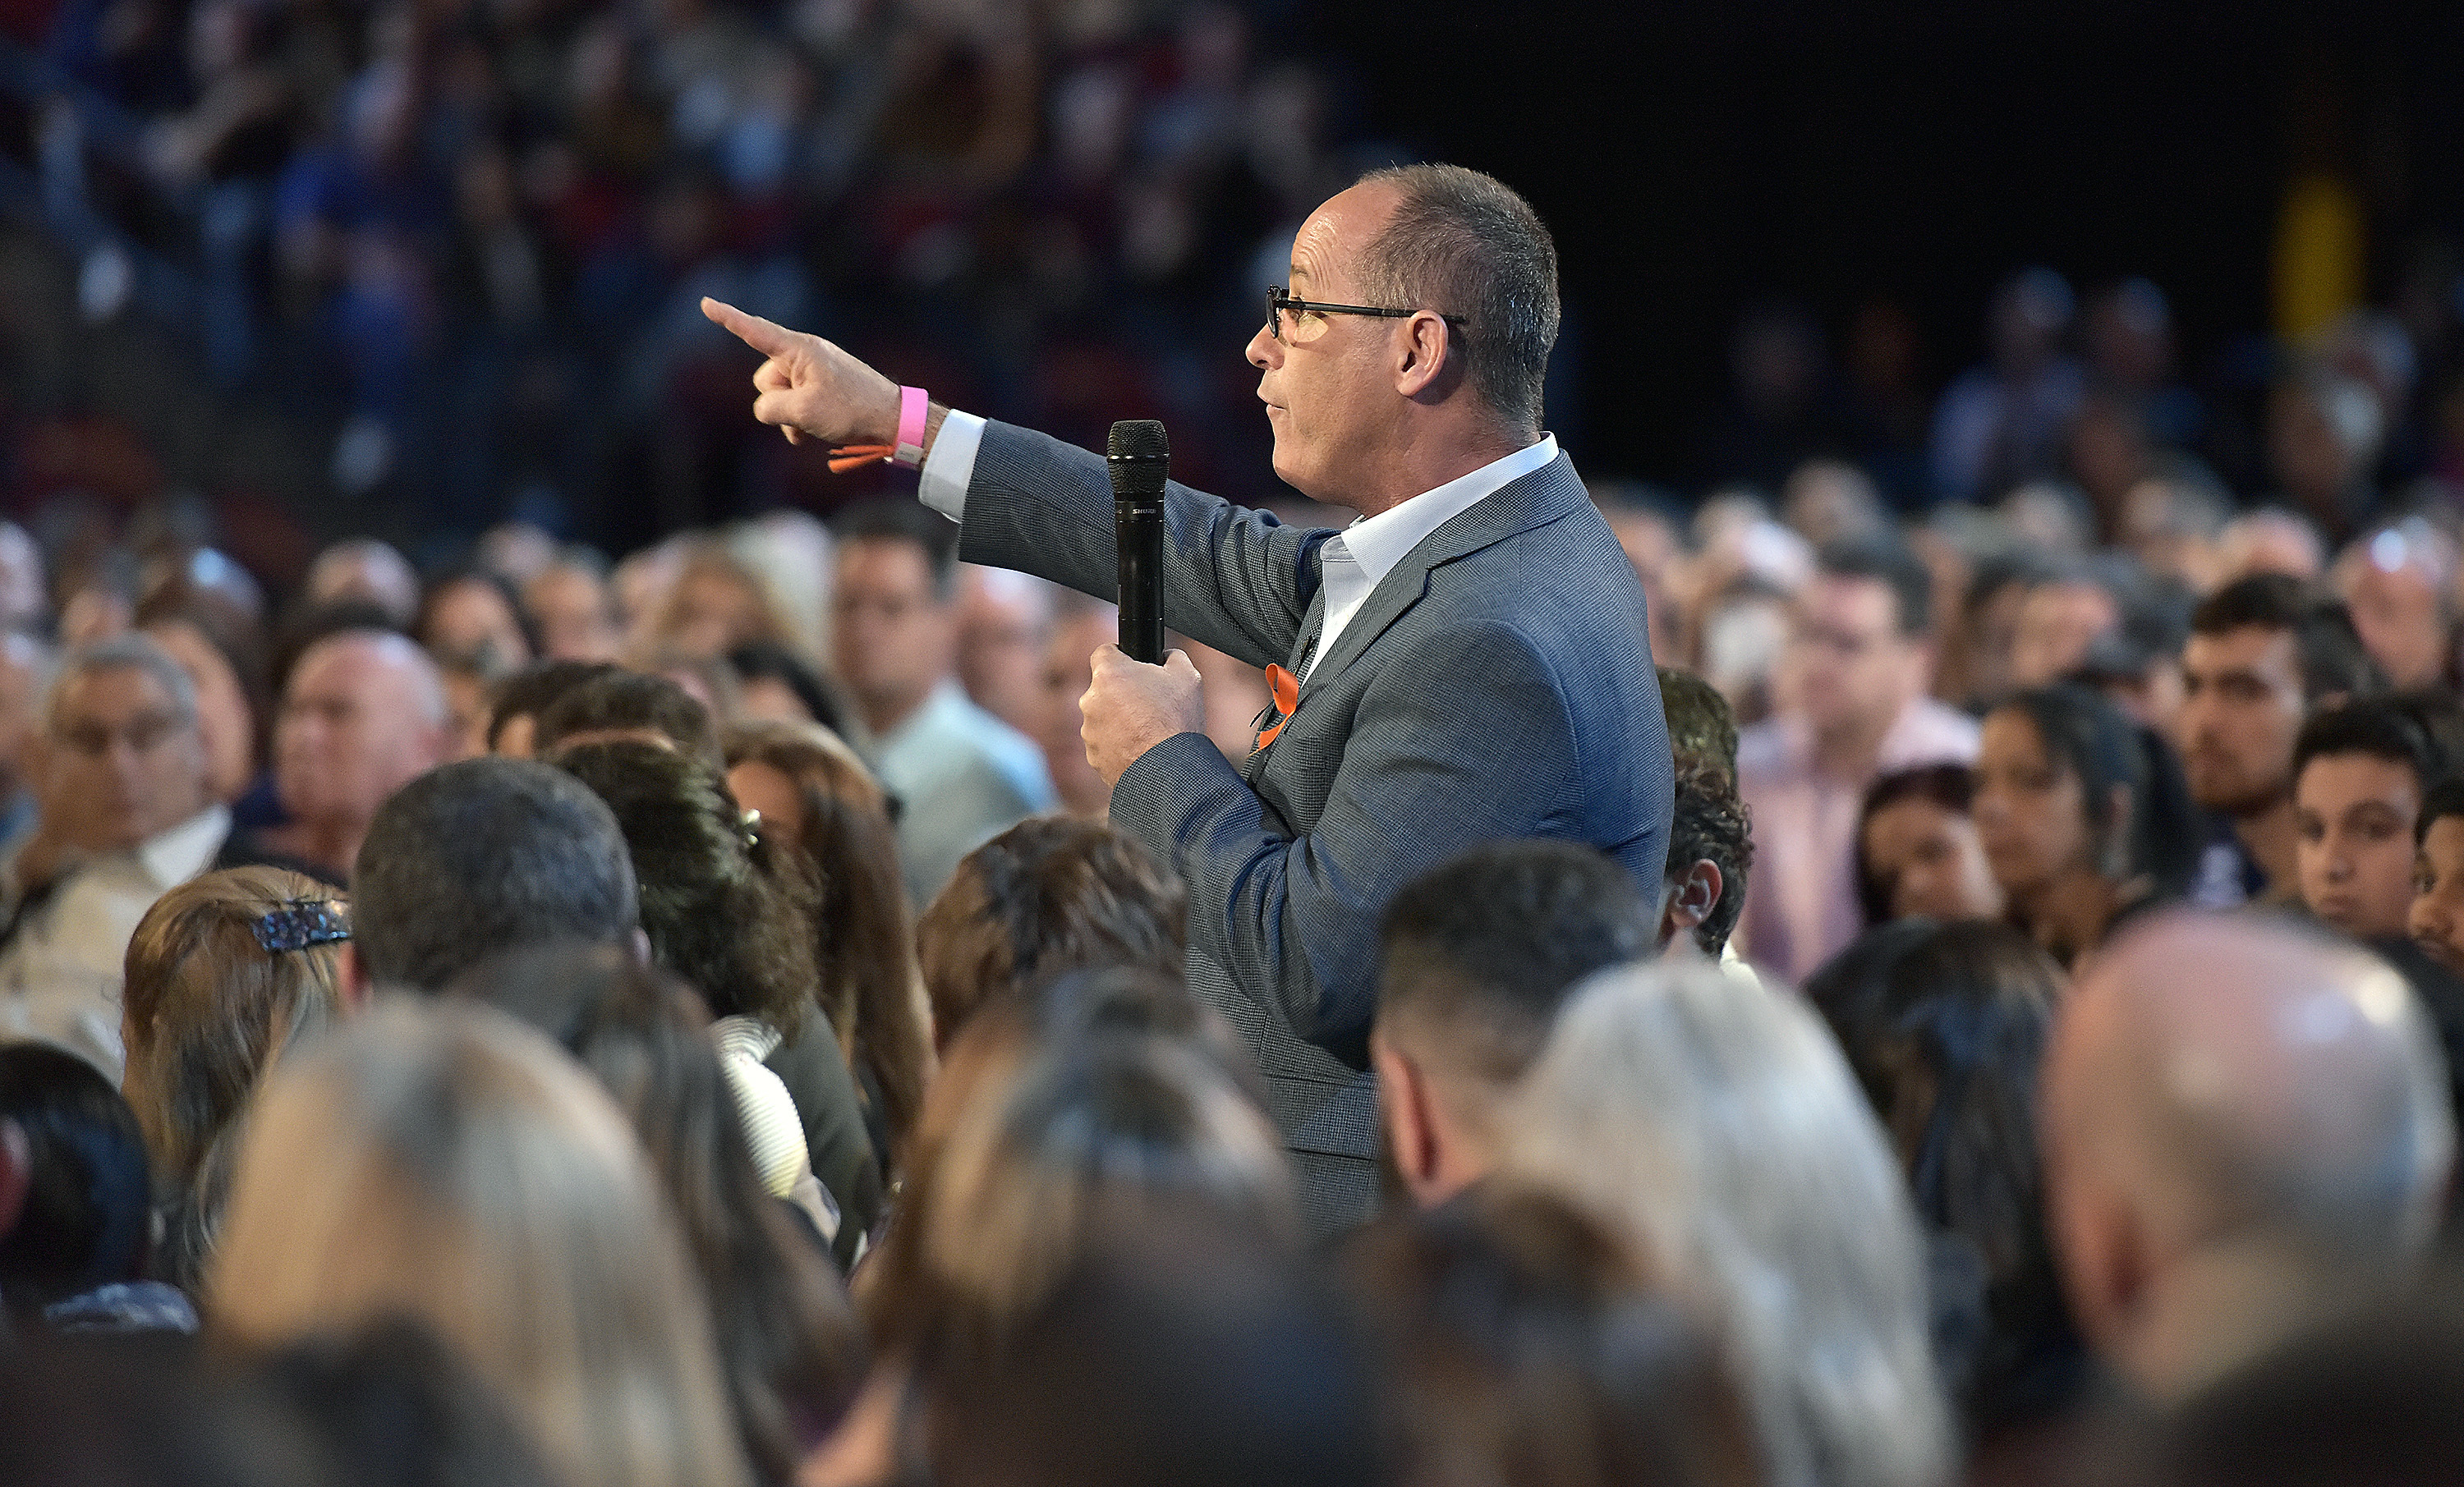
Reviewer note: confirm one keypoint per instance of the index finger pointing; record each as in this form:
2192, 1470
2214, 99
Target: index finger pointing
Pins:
766, 336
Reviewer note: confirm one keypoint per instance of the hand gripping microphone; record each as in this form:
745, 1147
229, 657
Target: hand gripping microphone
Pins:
1138, 455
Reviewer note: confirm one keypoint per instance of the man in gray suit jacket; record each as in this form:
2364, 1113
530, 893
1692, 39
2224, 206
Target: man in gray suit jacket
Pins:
1467, 662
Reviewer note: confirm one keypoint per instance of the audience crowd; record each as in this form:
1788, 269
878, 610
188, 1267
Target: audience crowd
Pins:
689, 1021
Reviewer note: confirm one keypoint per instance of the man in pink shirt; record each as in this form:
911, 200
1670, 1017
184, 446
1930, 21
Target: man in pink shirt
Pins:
1855, 704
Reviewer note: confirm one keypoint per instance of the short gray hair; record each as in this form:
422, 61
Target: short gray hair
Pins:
1718, 1127
124, 653
1466, 245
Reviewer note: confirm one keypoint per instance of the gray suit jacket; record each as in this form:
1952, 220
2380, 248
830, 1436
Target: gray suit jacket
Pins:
1496, 684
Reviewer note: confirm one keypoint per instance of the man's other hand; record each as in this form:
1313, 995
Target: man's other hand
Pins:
1131, 707
809, 387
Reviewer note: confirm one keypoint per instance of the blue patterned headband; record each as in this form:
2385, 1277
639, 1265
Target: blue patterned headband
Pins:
298, 925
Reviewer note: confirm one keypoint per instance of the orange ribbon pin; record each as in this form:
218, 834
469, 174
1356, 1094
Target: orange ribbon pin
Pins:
1286, 689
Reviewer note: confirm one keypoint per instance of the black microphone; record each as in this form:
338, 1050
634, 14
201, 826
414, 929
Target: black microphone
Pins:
1139, 455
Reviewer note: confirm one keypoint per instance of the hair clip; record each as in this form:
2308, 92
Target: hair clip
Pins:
301, 923
748, 826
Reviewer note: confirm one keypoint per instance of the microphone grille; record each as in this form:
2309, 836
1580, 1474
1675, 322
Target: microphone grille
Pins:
1138, 439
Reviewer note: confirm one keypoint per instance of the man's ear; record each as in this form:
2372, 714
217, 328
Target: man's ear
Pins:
1403, 1101
1426, 366
1690, 900
357, 987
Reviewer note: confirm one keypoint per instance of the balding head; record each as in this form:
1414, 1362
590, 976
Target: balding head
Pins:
365, 713
2244, 1123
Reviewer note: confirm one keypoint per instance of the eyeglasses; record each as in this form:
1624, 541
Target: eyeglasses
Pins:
1307, 317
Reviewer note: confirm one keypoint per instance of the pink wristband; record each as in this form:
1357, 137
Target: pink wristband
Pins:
909, 450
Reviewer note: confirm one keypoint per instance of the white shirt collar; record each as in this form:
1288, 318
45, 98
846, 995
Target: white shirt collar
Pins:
1377, 543
173, 857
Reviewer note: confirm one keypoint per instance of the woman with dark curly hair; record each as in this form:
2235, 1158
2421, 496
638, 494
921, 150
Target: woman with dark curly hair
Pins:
729, 909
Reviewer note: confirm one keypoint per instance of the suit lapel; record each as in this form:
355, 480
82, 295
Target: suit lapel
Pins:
1544, 496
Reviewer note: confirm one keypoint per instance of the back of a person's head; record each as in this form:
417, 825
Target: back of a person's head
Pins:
1525, 1343
1173, 1352
786, 1333
88, 1204
620, 702
222, 975
1708, 823
532, 690
1091, 1131
1481, 952
1052, 894
445, 1163
725, 907
389, 1405
1702, 726
1717, 1125
2330, 650
481, 857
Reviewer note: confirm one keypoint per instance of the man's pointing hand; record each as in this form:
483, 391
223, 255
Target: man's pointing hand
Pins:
809, 387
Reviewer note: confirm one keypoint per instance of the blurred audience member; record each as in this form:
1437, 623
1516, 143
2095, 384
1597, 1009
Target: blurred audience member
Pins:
479, 858
224, 974
2175, 527
26, 669
1860, 664
223, 655
470, 690
2083, 817
1918, 852
1977, 649
1830, 501
513, 721
570, 603
1080, 627
2436, 918
1479, 953
787, 1340
2271, 540
2360, 773
370, 572
812, 789
1524, 1342
74, 1260
125, 815
2006, 422
2233, 1154
2399, 583
2324, 431
715, 604
451, 1166
1049, 895
774, 685
961, 773
2063, 615
1946, 1026
476, 616
1717, 1129
1702, 727
365, 713
729, 909
615, 704
1004, 619
2263, 652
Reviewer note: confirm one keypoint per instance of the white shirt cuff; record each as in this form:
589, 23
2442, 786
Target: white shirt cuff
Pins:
951, 464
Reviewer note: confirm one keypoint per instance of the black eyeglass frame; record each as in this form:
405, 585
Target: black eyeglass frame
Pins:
1278, 303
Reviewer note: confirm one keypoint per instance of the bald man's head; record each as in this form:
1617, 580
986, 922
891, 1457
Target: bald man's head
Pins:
2235, 1094
364, 713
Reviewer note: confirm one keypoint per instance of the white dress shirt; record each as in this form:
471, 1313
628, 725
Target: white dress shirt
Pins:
1351, 562
59, 978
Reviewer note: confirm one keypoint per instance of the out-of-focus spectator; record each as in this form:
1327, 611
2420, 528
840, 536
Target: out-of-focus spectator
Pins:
2234, 1154
1050, 894
713, 604
365, 711
2324, 431
1918, 851
1080, 627
810, 787
224, 654
74, 1260
475, 616
1715, 1126
2436, 918
2360, 773
2064, 613
2263, 652
1978, 645
1524, 1341
448, 1165
776, 686
1701, 730
960, 772
613, 703
1004, 620
2128, 341
470, 690
513, 721
574, 611
1479, 954
2270, 540
2005, 423
2400, 585
125, 815
224, 974
1828, 501
25, 597
365, 569
2175, 527
26, 666
1945, 1026
1860, 661
2083, 815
